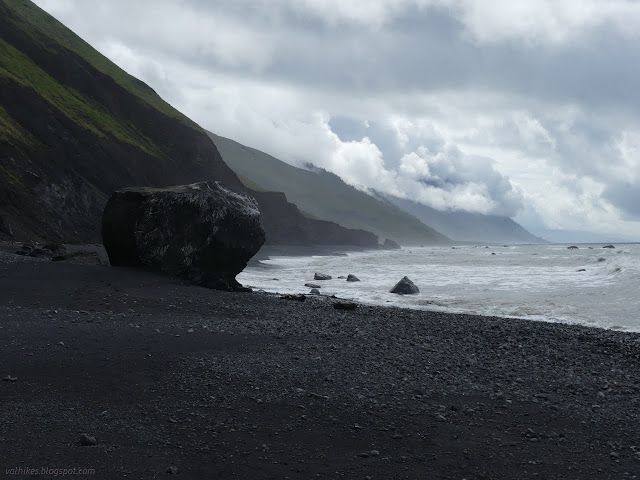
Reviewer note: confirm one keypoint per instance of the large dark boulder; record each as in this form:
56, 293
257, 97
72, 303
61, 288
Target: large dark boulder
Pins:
405, 286
202, 232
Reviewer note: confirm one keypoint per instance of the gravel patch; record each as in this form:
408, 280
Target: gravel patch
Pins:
172, 379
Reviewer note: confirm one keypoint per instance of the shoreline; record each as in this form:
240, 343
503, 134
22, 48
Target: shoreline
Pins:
250, 385
268, 251
292, 276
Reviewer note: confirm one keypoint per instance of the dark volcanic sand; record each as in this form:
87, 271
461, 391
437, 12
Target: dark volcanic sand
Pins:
251, 386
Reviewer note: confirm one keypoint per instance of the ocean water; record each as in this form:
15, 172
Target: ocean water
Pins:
537, 282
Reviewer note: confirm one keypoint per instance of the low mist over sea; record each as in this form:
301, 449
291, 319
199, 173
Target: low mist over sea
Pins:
590, 285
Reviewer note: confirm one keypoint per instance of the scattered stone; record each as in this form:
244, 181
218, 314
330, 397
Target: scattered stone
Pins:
37, 251
314, 291
172, 470
405, 287
82, 258
572, 247
352, 278
292, 296
374, 453
345, 306
87, 440
312, 285
321, 276
9, 378
608, 246
582, 270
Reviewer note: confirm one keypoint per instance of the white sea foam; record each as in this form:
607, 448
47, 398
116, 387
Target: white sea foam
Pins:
539, 282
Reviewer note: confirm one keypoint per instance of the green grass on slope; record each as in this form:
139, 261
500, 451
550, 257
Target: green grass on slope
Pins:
37, 19
12, 132
18, 67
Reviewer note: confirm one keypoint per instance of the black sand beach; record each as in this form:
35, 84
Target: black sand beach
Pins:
204, 384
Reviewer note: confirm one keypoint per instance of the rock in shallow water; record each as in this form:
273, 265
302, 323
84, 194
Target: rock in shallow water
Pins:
202, 232
405, 286
321, 276
352, 278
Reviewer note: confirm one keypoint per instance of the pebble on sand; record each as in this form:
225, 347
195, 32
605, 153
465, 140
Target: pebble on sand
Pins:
87, 440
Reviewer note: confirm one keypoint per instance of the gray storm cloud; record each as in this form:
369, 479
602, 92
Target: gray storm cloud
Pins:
451, 180
498, 107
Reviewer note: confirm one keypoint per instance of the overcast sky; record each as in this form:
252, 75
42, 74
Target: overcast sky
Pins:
529, 109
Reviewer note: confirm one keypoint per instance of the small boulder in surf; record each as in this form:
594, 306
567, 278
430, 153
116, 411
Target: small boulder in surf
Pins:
405, 287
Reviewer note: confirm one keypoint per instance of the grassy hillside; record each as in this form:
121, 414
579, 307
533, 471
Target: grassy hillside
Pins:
74, 127
16, 66
469, 227
30, 19
324, 195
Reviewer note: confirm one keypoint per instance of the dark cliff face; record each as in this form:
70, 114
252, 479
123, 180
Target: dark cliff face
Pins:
78, 135
285, 225
74, 128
